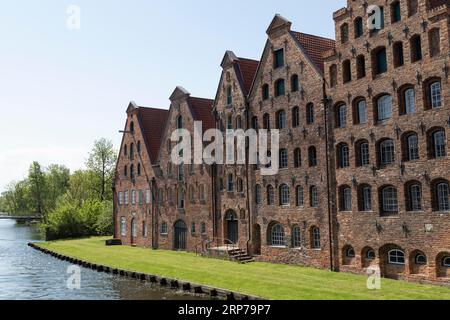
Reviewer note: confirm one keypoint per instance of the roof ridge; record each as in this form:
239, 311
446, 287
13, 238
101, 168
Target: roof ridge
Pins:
313, 35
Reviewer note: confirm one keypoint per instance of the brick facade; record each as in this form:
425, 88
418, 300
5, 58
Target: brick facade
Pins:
364, 139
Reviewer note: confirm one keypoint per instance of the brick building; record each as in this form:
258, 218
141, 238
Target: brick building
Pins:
364, 168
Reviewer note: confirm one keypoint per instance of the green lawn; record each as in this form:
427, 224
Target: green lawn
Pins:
261, 279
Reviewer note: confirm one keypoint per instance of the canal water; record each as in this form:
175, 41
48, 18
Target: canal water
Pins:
29, 274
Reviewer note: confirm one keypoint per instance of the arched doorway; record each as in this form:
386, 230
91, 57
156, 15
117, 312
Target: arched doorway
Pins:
231, 227
180, 235
256, 239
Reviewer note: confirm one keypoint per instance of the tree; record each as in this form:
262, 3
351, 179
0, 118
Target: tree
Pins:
101, 162
57, 180
37, 186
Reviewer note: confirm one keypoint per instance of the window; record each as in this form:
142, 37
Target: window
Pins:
127, 198
148, 196
384, 108
191, 194
229, 95
255, 123
125, 171
436, 95
266, 121
240, 185
279, 88
349, 252
230, 183
230, 122
139, 147
434, 40
315, 238
440, 191
341, 116
202, 193
180, 198
144, 229
278, 58
258, 196
132, 174
141, 197
396, 14
399, 59
370, 255
284, 195
193, 228
297, 158
283, 158
363, 154
123, 226
295, 117
296, 237
333, 76
360, 114
203, 228
160, 197
132, 152
125, 150
139, 169
120, 198
389, 203
361, 66
346, 198
415, 44
299, 199
181, 172
414, 197
446, 262
294, 83
407, 101
379, 59
238, 122
310, 113
164, 229
270, 195
437, 147
314, 197
265, 92
344, 33
346, 71
343, 156
133, 197
359, 27
134, 228
132, 127
179, 122
396, 257
365, 198
411, 147
312, 156
412, 7
420, 259
277, 237
281, 119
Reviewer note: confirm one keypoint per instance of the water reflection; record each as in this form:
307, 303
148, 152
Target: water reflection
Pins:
28, 274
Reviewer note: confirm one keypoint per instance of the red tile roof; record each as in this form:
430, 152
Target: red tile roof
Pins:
202, 111
315, 47
248, 70
153, 122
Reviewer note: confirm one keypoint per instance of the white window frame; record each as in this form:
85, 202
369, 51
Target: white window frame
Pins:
277, 236
398, 259
127, 197
148, 196
285, 197
123, 226
410, 101
384, 107
436, 94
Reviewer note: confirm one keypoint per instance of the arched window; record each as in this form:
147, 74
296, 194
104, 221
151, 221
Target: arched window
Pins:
420, 259
344, 33
281, 119
125, 150
343, 156
297, 158
360, 66
139, 169
370, 254
132, 152
296, 237
437, 143
379, 61
384, 107
265, 92
284, 195
181, 172
364, 198
441, 195
299, 199
388, 200
230, 183
350, 252
255, 123
413, 192
435, 95
270, 195
396, 14
279, 88
132, 176
358, 27
180, 122
386, 152
125, 171
345, 195
294, 83
310, 113
314, 197
240, 185
229, 95
360, 111
201, 191
278, 58
295, 117
238, 122
258, 196
132, 127
333, 76
341, 116
277, 236
412, 7
399, 59
396, 257
266, 121
315, 238
133, 228
346, 71
410, 148
415, 43
191, 194
229, 122
283, 158
164, 228
407, 100
312, 156
446, 262
139, 146
362, 153
181, 198
434, 39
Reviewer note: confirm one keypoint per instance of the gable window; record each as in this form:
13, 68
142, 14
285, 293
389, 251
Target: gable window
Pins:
365, 198
386, 152
132, 174
125, 150
139, 147
434, 39
279, 58
389, 203
277, 237
295, 117
125, 171
310, 113
333, 76
284, 195
229, 95
384, 108
346, 71
359, 27
344, 33
281, 119
294, 83
179, 122
314, 197
396, 257
399, 59
265, 92
299, 196
297, 158
266, 121
296, 237
416, 48
283, 158
132, 152
132, 127
312, 156
361, 66
379, 61
279, 88
396, 14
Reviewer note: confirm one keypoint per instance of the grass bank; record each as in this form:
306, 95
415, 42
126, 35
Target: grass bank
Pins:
260, 279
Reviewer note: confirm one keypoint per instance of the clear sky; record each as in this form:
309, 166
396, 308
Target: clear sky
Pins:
61, 89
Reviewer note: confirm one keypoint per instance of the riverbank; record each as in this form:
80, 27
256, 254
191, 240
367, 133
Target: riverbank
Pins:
278, 282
